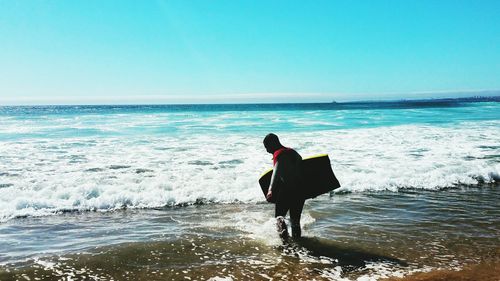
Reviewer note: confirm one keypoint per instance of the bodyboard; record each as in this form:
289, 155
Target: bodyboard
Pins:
317, 177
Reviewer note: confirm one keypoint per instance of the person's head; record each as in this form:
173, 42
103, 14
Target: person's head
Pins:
272, 143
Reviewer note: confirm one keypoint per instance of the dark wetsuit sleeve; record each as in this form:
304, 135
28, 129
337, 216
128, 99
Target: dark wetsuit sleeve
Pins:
286, 172
275, 176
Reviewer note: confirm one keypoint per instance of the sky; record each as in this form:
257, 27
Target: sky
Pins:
213, 51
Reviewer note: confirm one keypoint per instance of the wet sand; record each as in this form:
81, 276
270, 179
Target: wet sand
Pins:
485, 271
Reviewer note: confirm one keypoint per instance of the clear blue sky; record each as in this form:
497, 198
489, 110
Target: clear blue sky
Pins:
95, 51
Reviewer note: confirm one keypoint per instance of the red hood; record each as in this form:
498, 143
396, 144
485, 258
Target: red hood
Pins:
277, 153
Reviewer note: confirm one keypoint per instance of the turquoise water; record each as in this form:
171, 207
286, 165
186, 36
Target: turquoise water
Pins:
144, 174
158, 120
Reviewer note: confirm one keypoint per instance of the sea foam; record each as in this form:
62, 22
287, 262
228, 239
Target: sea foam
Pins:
41, 176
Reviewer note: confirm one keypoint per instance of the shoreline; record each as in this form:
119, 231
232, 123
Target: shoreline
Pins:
203, 258
488, 270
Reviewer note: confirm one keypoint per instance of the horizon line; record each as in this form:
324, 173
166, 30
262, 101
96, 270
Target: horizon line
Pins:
480, 98
257, 98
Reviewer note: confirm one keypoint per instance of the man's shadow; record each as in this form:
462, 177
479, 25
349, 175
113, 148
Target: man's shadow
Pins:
346, 257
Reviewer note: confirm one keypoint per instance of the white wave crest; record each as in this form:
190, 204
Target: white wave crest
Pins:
46, 176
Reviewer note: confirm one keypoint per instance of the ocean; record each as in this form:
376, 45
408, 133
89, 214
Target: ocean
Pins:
170, 192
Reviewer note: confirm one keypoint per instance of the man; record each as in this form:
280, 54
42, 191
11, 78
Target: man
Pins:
285, 187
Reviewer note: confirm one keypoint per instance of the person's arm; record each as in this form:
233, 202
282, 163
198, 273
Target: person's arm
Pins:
273, 181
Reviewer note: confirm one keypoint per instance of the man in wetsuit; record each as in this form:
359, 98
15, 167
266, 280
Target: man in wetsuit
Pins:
285, 187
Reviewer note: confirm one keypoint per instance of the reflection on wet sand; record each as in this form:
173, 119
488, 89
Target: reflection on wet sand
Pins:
346, 257
202, 258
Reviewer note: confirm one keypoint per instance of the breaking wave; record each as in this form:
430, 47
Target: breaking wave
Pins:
43, 176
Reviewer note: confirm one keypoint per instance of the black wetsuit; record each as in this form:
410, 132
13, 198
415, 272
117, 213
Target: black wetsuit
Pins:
286, 188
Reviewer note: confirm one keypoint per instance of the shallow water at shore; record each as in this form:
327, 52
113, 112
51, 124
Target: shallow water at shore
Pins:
346, 237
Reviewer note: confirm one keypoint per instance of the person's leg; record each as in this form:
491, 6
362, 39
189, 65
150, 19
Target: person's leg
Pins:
280, 210
295, 213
